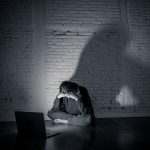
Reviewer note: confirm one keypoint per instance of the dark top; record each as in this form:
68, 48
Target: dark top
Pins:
78, 112
71, 106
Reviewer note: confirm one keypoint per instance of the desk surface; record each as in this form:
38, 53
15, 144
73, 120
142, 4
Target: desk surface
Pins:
116, 134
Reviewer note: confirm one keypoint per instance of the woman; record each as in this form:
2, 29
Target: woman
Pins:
72, 106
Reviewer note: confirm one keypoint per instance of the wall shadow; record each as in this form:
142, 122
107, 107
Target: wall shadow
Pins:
104, 69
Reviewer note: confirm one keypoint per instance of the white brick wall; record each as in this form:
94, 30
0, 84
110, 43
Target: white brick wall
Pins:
16, 58
102, 45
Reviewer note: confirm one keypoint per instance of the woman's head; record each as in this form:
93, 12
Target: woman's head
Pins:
69, 87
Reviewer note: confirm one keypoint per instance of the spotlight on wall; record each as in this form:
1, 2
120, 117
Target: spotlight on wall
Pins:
125, 97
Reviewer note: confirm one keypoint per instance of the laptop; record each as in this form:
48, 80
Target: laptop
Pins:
32, 124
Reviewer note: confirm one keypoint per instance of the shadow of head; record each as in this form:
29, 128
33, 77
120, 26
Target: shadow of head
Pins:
100, 65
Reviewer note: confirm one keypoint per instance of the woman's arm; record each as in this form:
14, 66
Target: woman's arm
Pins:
86, 118
56, 112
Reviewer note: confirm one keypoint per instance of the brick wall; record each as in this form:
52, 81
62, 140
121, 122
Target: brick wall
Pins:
102, 45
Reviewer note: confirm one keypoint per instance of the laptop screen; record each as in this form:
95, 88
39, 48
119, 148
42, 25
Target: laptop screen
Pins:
30, 123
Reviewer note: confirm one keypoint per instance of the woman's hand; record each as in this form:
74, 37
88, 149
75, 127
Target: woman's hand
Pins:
60, 95
72, 96
68, 95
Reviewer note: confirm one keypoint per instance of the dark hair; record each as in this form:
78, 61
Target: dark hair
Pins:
68, 86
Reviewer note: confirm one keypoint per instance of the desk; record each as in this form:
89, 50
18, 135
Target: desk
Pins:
108, 134
70, 137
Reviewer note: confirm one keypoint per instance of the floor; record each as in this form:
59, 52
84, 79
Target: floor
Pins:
114, 133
